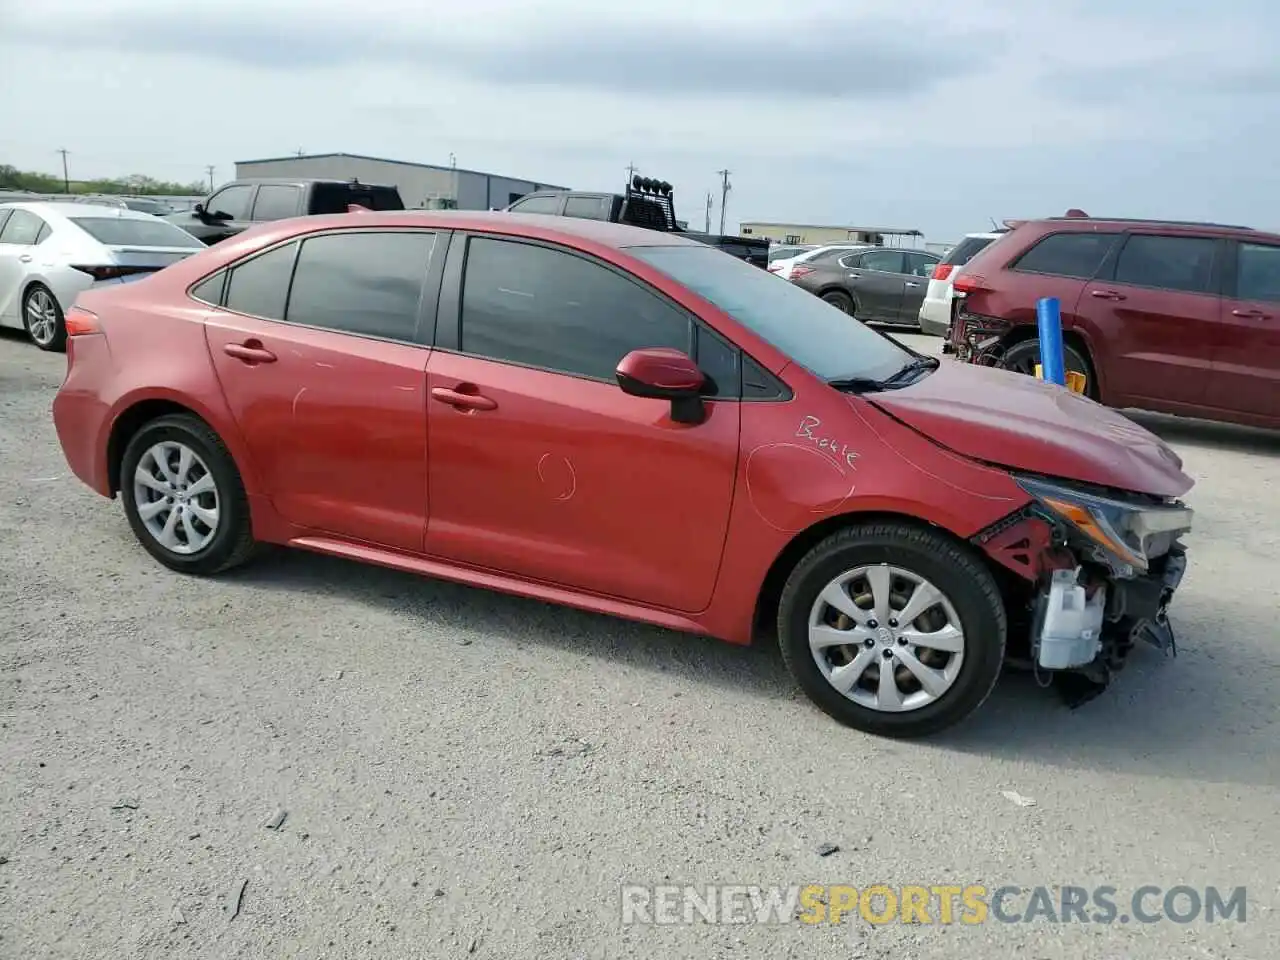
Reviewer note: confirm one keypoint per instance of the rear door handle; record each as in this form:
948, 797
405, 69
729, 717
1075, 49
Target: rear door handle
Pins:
1106, 294
251, 351
25, 258
912, 283
1251, 314
463, 401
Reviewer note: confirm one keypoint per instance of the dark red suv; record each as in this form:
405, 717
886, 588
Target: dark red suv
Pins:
1176, 317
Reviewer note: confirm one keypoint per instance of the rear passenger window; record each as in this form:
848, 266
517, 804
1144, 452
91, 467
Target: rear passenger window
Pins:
277, 202
367, 283
1259, 273
586, 208
1167, 263
1067, 254
259, 287
555, 310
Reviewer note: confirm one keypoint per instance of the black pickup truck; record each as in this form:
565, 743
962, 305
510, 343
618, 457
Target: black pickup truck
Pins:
238, 205
646, 203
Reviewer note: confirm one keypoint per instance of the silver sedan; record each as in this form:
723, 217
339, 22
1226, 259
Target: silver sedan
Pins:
50, 252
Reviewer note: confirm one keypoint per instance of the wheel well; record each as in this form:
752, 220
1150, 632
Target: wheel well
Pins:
128, 424
1025, 332
840, 290
771, 590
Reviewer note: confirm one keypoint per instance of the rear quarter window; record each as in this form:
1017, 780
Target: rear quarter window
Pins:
966, 250
1077, 255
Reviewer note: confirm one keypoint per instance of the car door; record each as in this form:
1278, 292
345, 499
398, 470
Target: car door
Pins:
326, 377
19, 234
226, 213
540, 466
277, 201
918, 270
1153, 309
875, 280
1246, 361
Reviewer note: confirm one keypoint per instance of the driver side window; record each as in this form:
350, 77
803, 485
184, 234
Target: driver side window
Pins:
230, 203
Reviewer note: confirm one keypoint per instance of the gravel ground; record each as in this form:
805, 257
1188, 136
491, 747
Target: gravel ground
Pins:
467, 774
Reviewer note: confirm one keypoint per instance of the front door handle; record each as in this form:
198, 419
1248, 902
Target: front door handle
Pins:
1251, 314
251, 351
25, 258
1106, 294
463, 401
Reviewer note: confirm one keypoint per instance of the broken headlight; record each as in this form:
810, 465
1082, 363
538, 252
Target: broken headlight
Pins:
1126, 533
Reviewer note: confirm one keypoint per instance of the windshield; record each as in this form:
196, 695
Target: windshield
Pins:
128, 232
826, 341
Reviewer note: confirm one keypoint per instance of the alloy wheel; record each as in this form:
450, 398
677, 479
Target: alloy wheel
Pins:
886, 638
42, 317
176, 497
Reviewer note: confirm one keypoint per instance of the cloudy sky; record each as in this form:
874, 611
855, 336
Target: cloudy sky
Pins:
930, 115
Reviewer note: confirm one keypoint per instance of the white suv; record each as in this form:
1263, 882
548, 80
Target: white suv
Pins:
935, 312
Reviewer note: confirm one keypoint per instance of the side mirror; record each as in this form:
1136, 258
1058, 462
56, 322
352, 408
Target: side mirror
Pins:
661, 373
198, 209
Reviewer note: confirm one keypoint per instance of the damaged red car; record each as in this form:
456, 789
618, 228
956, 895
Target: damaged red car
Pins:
634, 424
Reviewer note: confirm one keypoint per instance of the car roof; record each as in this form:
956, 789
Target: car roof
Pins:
65, 209
1182, 227
544, 225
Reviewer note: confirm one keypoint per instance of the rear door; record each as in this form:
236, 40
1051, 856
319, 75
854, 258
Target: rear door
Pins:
319, 352
1246, 368
918, 269
1155, 309
877, 280
276, 201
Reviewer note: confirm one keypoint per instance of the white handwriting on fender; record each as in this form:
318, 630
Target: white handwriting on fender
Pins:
805, 430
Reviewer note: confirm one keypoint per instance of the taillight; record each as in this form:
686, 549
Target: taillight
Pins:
775, 268
942, 271
80, 322
798, 272
968, 283
113, 271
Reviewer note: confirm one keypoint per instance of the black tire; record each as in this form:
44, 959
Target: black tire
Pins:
953, 568
1023, 357
232, 542
840, 300
58, 342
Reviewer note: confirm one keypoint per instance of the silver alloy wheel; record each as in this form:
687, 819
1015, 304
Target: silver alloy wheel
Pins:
42, 316
176, 497
886, 638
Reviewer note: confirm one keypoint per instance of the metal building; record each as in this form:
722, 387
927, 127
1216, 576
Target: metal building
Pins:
420, 184
826, 233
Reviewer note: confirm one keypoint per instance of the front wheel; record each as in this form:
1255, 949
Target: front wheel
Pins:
893, 629
184, 497
1023, 357
42, 316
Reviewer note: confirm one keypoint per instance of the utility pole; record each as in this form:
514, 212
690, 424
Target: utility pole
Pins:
300, 152
631, 172
710, 203
66, 177
209, 170
724, 195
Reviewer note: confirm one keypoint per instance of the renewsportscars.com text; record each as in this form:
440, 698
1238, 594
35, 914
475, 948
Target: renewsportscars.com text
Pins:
943, 904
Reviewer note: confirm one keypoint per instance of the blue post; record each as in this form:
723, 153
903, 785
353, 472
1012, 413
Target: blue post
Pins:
1049, 321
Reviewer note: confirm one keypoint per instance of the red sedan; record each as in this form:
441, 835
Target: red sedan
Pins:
634, 424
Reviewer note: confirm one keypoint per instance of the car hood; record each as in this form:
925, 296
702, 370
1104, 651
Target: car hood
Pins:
1026, 424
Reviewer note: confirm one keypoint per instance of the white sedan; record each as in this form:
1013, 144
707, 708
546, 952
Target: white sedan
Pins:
782, 267
50, 252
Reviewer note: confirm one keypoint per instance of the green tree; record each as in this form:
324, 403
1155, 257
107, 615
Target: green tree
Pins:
138, 184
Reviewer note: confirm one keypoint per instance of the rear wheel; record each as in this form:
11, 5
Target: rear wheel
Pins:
1023, 357
42, 316
893, 629
184, 498
840, 300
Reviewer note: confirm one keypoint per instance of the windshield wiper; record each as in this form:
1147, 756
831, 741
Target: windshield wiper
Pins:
892, 382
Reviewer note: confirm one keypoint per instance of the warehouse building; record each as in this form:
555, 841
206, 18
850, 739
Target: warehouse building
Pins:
420, 184
819, 233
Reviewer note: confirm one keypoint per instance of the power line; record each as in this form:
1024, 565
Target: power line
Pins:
725, 187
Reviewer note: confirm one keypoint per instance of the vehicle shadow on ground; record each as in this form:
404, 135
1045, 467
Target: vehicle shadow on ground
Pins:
1141, 725
1208, 434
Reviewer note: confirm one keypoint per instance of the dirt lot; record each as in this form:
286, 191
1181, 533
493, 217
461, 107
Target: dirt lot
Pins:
466, 774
